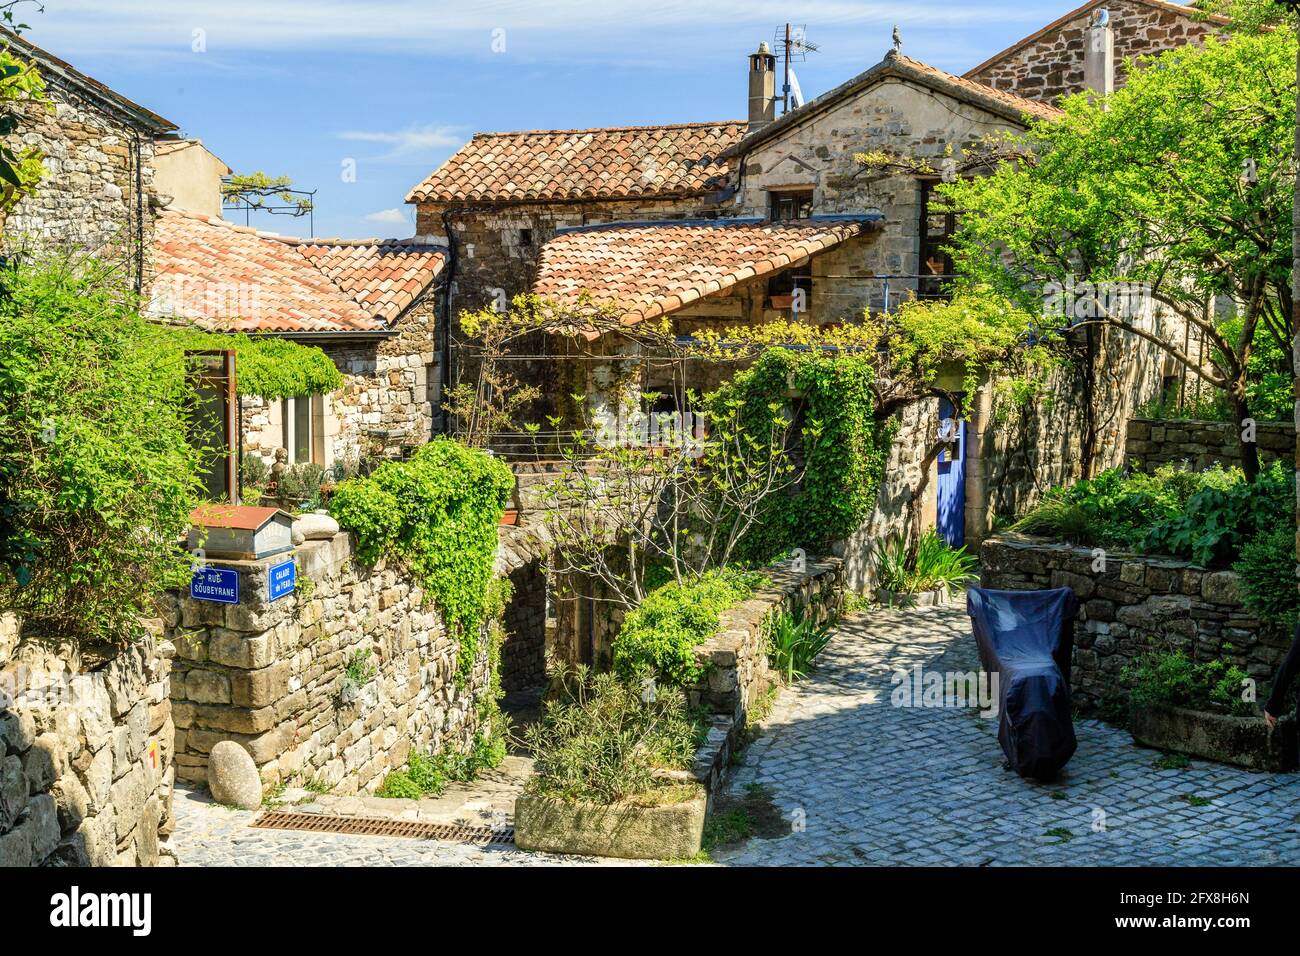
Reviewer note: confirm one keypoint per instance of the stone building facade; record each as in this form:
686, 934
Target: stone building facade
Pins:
97, 193
369, 304
1050, 63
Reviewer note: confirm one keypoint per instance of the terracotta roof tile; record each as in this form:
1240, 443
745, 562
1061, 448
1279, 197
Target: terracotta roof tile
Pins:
234, 279
611, 163
655, 269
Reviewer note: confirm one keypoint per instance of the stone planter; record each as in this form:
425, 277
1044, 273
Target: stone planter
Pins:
938, 598
1240, 741
627, 831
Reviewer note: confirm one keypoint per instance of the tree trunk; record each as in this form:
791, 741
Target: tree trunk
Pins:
1245, 430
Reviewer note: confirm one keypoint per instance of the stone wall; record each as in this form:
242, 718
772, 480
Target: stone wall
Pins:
85, 755
737, 675
1051, 66
93, 159
271, 674
1138, 604
1153, 442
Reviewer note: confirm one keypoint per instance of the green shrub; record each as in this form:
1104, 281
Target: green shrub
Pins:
601, 738
662, 633
398, 785
438, 513
1202, 516
428, 774
97, 478
1266, 576
1172, 678
1217, 521
935, 565
793, 643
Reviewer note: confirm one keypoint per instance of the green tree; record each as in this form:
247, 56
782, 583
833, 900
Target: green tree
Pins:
1180, 182
256, 190
97, 477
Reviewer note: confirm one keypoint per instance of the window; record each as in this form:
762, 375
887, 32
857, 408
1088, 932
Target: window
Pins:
525, 237
791, 205
781, 289
303, 424
937, 227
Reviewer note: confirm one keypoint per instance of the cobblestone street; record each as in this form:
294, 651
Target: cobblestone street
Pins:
878, 784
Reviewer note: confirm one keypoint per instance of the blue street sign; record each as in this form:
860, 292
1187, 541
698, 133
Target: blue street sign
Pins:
215, 584
282, 579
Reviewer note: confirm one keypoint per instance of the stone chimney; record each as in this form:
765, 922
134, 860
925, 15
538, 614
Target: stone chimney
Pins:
1099, 55
762, 87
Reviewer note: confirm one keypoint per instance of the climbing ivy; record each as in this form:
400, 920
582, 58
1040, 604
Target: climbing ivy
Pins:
843, 446
267, 367
438, 514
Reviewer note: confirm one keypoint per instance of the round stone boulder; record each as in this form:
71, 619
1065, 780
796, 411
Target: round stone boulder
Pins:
232, 776
315, 526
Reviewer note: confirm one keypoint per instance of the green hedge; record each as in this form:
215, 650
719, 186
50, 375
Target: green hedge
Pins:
661, 634
438, 513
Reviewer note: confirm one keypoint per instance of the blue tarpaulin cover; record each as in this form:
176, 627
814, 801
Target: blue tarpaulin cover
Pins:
1026, 637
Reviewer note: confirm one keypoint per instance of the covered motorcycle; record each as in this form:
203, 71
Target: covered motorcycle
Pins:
1026, 638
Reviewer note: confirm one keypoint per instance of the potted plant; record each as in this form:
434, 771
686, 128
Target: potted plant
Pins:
930, 577
1205, 709
607, 773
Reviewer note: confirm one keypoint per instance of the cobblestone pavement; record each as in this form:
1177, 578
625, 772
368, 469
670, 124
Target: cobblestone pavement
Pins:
208, 834
879, 784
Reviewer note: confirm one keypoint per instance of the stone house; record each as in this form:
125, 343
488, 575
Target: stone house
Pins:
782, 206
367, 303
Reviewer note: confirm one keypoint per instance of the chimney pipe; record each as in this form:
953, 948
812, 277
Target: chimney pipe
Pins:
762, 88
1099, 55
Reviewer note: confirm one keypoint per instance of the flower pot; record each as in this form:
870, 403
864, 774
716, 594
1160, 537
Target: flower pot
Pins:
627, 831
1240, 741
511, 517
780, 302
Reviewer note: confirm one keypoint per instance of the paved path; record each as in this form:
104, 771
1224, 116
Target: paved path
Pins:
208, 834
877, 784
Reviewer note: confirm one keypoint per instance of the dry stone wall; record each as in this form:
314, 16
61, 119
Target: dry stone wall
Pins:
98, 183
271, 675
1051, 66
1136, 605
86, 769
1153, 442
737, 676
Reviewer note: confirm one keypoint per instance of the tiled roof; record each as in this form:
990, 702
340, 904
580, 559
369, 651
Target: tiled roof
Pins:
1020, 104
895, 64
234, 279
655, 269
611, 163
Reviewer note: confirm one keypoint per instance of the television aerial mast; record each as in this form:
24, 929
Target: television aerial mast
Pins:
793, 43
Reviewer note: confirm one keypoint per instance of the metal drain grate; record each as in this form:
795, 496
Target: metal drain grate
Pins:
374, 826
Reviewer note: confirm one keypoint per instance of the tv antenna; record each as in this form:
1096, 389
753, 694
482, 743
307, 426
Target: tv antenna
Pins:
793, 43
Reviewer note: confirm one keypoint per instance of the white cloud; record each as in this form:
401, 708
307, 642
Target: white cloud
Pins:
392, 217
638, 28
413, 144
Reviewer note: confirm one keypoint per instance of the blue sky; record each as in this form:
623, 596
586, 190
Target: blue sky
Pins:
298, 87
